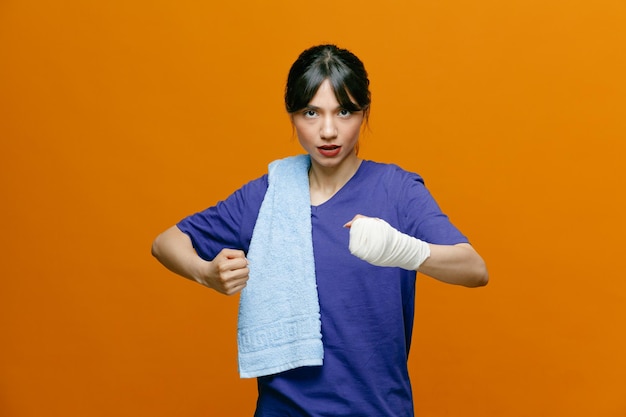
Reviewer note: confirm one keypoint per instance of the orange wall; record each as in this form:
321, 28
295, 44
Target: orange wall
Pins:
119, 118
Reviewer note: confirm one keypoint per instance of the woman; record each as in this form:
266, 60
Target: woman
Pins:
372, 226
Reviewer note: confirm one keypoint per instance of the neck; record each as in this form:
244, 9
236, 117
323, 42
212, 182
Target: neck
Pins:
324, 182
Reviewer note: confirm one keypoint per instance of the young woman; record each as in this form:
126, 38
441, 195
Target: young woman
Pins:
372, 226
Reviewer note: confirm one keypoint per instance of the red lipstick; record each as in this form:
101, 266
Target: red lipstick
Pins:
329, 150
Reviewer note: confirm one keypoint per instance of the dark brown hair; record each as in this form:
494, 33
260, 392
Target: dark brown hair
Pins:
342, 68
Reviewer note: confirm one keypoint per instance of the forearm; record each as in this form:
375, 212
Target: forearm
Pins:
456, 264
174, 250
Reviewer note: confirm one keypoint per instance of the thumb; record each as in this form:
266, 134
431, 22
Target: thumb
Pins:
358, 216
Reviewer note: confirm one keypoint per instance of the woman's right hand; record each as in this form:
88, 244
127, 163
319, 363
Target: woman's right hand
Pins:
227, 273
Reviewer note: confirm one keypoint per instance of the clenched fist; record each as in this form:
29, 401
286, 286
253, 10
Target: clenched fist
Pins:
228, 272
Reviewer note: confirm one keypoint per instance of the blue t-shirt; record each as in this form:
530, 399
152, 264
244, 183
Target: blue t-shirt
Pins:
366, 311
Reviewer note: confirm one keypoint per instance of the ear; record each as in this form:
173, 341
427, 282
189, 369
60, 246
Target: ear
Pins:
293, 126
365, 123
366, 114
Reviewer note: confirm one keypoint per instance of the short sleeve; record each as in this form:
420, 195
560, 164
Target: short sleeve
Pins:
421, 216
228, 224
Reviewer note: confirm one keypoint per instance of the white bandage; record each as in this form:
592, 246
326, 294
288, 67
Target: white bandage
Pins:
377, 242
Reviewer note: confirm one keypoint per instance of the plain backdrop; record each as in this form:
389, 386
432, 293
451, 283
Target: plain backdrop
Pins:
118, 118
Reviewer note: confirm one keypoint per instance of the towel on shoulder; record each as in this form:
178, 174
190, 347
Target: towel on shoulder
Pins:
279, 315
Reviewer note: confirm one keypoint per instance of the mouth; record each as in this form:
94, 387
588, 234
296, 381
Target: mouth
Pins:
329, 150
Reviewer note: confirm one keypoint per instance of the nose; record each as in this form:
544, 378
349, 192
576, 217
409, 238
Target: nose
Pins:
328, 129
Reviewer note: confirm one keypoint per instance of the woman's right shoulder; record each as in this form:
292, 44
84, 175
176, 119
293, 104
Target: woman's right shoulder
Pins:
259, 183
253, 191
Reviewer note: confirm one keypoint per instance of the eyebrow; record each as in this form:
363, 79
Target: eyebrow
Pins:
309, 107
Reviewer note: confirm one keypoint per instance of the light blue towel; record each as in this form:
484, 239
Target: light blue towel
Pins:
279, 314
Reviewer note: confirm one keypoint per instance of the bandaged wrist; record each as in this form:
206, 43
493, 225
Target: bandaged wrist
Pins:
377, 242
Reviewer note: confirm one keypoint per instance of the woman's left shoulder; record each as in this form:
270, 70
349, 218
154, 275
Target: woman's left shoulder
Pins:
391, 172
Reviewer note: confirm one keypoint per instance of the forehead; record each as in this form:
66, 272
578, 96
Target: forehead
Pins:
325, 96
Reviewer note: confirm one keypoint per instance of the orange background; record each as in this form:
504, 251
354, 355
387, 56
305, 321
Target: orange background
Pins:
119, 118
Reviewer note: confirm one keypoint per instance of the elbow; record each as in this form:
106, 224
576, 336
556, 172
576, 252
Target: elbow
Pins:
479, 280
154, 250
479, 276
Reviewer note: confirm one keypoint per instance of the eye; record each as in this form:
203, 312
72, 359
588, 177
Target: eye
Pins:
344, 113
309, 114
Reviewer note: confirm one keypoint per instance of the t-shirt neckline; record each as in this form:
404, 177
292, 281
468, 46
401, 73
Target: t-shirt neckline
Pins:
349, 184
